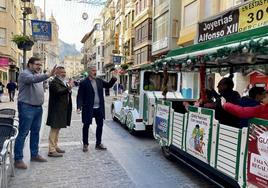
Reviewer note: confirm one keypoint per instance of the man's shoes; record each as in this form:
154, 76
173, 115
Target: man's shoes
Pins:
85, 148
38, 158
54, 154
60, 150
100, 147
20, 165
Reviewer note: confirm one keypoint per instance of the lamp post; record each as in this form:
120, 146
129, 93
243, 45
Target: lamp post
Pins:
26, 11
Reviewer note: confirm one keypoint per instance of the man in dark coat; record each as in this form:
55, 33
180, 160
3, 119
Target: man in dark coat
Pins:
91, 101
59, 110
225, 88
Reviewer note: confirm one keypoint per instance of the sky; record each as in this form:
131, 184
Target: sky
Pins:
68, 14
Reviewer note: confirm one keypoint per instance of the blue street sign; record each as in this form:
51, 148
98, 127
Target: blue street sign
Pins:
41, 30
117, 60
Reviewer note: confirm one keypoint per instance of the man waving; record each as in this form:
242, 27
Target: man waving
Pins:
91, 101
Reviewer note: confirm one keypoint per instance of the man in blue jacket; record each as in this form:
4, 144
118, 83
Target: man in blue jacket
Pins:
256, 94
90, 101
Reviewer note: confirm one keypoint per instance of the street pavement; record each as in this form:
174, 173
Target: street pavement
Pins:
130, 161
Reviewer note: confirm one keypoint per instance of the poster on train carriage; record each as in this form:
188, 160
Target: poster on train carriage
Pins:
257, 171
162, 122
198, 133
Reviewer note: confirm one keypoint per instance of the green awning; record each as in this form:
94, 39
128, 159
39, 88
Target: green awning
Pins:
213, 45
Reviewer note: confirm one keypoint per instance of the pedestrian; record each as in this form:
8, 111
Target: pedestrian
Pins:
260, 111
225, 88
115, 89
91, 101
11, 86
30, 101
2, 86
59, 109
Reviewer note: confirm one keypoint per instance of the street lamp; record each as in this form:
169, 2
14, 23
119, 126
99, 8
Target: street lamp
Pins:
26, 11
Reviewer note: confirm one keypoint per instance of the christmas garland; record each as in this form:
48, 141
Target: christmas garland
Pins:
251, 48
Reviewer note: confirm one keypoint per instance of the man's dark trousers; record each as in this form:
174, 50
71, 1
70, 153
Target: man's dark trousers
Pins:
97, 114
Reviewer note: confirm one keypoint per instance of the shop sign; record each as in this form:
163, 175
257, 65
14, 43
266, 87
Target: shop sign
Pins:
257, 171
220, 26
4, 62
248, 16
161, 121
41, 30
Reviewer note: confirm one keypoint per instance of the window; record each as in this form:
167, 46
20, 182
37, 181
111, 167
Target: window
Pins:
2, 5
132, 15
191, 14
175, 28
98, 50
102, 51
140, 5
97, 27
145, 4
161, 27
13, 9
3, 36
137, 9
98, 65
154, 81
226, 4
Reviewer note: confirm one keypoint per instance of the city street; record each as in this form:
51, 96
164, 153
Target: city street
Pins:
131, 161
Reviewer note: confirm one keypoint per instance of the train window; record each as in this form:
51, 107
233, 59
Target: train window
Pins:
154, 81
134, 83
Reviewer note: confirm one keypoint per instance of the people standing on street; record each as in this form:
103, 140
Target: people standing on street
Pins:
59, 109
1, 90
30, 101
11, 87
90, 101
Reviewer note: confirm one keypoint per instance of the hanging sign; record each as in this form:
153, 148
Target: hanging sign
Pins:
257, 171
248, 16
253, 15
220, 26
41, 30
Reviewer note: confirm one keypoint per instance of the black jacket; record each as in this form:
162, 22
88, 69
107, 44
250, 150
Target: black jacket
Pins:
86, 95
59, 105
223, 116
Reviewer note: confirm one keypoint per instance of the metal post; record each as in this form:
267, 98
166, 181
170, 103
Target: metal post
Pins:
24, 34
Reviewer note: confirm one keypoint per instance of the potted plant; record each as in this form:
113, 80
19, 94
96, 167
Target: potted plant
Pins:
23, 42
124, 66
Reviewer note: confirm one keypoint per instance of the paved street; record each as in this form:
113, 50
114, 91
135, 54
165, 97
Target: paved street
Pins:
131, 161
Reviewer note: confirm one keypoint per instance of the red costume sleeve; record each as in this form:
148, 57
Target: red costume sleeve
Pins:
242, 112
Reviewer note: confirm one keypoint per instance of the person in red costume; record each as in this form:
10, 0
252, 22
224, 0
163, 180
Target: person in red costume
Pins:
260, 111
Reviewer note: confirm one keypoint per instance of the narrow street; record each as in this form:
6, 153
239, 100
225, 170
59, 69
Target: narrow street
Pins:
131, 161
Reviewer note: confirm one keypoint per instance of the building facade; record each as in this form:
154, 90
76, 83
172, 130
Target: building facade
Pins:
52, 47
9, 19
143, 32
193, 11
166, 26
107, 22
73, 66
93, 49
